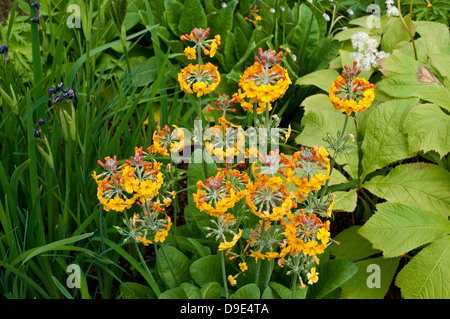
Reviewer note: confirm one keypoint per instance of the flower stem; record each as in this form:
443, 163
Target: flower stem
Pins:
294, 284
224, 274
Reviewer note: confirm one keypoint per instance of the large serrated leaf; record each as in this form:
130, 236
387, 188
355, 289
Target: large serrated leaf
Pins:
428, 129
352, 246
321, 79
421, 184
398, 228
384, 143
427, 275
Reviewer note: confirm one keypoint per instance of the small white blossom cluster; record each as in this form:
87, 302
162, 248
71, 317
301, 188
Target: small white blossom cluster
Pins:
367, 53
392, 10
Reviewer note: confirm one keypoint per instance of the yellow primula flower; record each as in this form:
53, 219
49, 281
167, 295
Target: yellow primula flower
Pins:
190, 53
312, 276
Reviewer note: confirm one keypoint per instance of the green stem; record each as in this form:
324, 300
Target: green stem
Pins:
224, 274
333, 160
293, 286
407, 29
153, 283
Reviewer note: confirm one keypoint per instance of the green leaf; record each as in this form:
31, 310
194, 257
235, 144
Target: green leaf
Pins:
192, 16
133, 290
173, 266
250, 291
221, 21
322, 79
357, 287
174, 293
62, 288
286, 293
192, 291
332, 274
396, 33
384, 143
421, 184
206, 269
352, 245
398, 228
145, 73
321, 117
27, 255
426, 276
428, 129
173, 10
211, 290
345, 201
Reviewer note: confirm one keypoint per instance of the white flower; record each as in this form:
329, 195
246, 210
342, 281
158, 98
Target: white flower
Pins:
391, 10
344, 28
366, 54
350, 12
326, 17
272, 10
223, 4
282, 8
310, 1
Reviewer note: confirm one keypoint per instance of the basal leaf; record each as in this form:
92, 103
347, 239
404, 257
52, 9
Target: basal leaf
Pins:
428, 129
192, 16
173, 266
398, 228
421, 184
250, 291
205, 270
426, 276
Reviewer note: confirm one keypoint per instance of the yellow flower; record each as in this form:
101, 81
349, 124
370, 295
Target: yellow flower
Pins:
362, 95
257, 255
243, 267
144, 240
161, 236
323, 235
190, 53
213, 49
312, 276
232, 280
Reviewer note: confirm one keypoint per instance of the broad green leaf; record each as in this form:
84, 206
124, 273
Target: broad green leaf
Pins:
286, 293
173, 265
434, 30
384, 143
221, 21
360, 286
145, 73
174, 293
322, 79
133, 290
192, 16
428, 129
352, 246
206, 269
321, 117
396, 33
250, 291
426, 276
398, 228
211, 290
173, 10
332, 274
345, 201
421, 184
192, 291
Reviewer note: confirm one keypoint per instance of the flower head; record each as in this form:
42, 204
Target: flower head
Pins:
201, 80
350, 93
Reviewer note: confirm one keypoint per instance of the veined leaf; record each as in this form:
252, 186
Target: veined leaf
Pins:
192, 16
384, 143
428, 129
426, 276
398, 228
421, 184
321, 79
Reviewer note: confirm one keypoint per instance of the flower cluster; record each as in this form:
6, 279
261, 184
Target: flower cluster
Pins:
391, 9
166, 141
263, 82
120, 186
4, 50
366, 53
199, 38
61, 94
350, 93
254, 16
